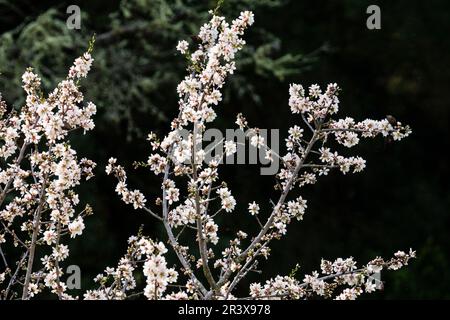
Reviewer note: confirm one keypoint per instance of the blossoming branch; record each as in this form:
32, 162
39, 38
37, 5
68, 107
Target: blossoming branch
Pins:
193, 195
39, 206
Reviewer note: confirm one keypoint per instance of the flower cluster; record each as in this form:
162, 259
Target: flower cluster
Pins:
227, 200
115, 283
81, 66
341, 275
332, 160
316, 105
183, 214
214, 56
135, 197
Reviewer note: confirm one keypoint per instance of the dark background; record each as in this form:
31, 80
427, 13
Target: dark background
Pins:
400, 201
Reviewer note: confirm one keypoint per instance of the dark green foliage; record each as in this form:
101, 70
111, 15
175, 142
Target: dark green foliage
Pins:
136, 66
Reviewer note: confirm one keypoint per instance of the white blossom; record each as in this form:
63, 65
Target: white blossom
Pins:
183, 46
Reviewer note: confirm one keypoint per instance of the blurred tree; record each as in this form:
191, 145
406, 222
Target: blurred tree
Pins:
136, 62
